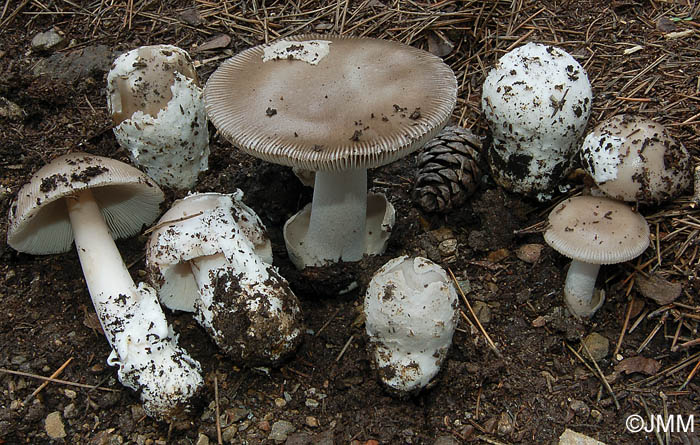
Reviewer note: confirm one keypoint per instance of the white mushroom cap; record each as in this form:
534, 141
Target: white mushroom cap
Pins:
184, 233
39, 222
597, 230
158, 112
537, 101
411, 314
632, 158
331, 102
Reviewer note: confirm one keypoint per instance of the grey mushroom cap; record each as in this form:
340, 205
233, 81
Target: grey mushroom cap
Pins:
331, 103
38, 218
597, 230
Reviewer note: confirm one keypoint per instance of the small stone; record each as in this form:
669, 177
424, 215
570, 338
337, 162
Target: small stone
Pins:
264, 425
237, 414
203, 439
280, 430
596, 414
529, 253
311, 403
54, 426
597, 345
311, 421
570, 437
70, 411
15, 405
229, 434
280, 402
580, 409
48, 41
244, 425
70, 393
448, 247
12, 111
505, 425
482, 311
539, 322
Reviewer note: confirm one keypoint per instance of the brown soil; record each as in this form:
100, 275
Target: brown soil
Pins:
529, 395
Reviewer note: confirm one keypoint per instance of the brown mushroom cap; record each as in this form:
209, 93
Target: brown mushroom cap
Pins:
597, 230
365, 103
39, 222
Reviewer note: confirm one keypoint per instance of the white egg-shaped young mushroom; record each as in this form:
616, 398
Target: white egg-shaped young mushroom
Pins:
158, 113
536, 101
632, 158
91, 200
210, 255
335, 105
593, 231
411, 313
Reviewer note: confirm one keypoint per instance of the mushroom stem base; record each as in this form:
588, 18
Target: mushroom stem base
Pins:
379, 220
579, 289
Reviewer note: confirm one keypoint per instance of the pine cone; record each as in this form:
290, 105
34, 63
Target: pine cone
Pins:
448, 170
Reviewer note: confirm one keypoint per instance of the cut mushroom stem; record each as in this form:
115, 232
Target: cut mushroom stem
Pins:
338, 216
579, 289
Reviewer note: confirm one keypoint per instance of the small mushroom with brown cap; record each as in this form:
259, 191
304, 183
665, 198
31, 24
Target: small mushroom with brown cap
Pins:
336, 105
210, 255
593, 231
158, 112
91, 200
633, 158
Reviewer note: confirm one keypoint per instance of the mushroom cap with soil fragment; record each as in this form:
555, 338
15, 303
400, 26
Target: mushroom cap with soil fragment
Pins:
536, 100
335, 105
633, 158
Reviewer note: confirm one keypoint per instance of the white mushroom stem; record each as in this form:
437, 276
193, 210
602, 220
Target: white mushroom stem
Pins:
338, 216
579, 289
105, 273
144, 347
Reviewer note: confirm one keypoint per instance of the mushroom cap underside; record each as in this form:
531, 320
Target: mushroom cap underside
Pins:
597, 230
355, 103
38, 219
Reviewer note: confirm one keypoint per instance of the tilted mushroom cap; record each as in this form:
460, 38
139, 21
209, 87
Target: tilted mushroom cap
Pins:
331, 102
198, 226
633, 158
597, 230
38, 220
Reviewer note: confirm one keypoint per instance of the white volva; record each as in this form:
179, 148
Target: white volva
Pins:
411, 313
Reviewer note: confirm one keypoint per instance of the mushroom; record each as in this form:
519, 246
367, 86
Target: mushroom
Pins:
210, 255
411, 314
158, 113
336, 105
632, 158
91, 199
593, 231
537, 101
